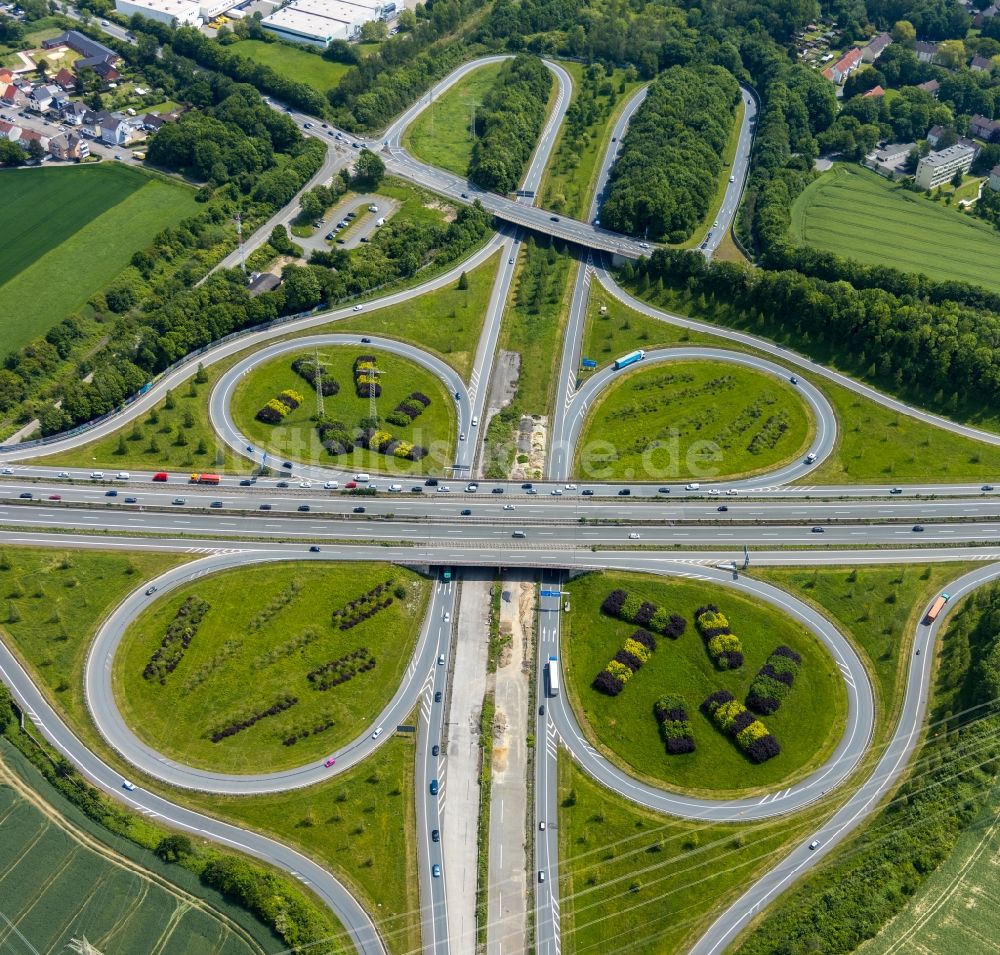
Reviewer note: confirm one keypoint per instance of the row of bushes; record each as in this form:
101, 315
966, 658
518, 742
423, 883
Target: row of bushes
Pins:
675, 724
180, 632
336, 437
309, 369
628, 660
629, 607
773, 681
279, 706
409, 409
277, 409
382, 442
304, 732
363, 607
275, 604
723, 645
342, 669
366, 375
737, 722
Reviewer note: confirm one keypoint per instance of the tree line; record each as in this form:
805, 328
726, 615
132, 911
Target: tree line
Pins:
663, 181
508, 123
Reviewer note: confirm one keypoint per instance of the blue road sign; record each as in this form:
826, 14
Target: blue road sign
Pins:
588, 363
550, 593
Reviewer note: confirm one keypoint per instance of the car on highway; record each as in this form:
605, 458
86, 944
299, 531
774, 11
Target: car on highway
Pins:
61, 474
723, 507
732, 491
127, 785
329, 762
216, 504
527, 486
447, 617
246, 482
178, 500
304, 507
541, 875
554, 218
466, 511
633, 536
434, 787
556, 492
714, 491
265, 507
417, 489
55, 497
508, 507
377, 733
435, 750
350, 485
7, 471
111, 493
895, 490
663, 490
570, 487
437, 696
287, 464
435, 835
541, 825
461, 437
986, 487
314, 549
643, 245
541, 710
151, 590
471, 487
359, 509
531, 490
431, 482
305, 484
282, 484
918, 528
732, 179
131, 500
587, 492
692, 487
436, 871
817, 529
510, 261
624, 492
443, 489
517, 534
440, 659
794, 380
357, 308
814, 844
331, 485
810, 457
497, 490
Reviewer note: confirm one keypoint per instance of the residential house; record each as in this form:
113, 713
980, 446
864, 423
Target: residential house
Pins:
926, 52
10, 131
115, 129
875, 47
29, 136
65, 80
984, 128
69, 146
263, 282
981, 64
152, 121
890, 161
843, 68
105, 70
73, 113
988, 14
939, 167
40, 99
931, 86
6, 76
934, 134
994, 182
12, 96
876, 92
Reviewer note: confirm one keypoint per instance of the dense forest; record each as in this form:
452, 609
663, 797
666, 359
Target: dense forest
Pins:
666, 175
508, 123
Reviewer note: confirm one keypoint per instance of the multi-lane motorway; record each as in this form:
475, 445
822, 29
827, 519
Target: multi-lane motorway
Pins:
559, 524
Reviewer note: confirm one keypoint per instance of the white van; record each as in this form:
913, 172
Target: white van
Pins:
97, 475
123, 476
693, 487
810, 457
379, 222
475, 421
362, 478
395, 487
373, 208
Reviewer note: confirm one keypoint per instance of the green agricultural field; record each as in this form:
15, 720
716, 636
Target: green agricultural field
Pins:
297, 435
873, 443
84, 222
692, 419
571, 175
807, 726
635, 881
293, 63
858, 214
440, 135
361, 825
53, 601
957, 910
60, 881
263, 631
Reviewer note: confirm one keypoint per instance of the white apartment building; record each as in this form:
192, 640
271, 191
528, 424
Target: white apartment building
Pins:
938, 167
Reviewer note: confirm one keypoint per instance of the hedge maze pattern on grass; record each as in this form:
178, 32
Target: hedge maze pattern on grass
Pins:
180, 632
740, 725
773, 681
628, 660
723, 645
279, 408
675, 725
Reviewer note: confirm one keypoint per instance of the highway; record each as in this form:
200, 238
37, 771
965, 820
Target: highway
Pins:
664, 526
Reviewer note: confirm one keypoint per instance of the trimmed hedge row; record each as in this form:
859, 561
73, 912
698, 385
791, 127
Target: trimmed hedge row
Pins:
279, 706
723, 645
307, 368
773, 681
302, 732
633, 609
362, 608
737, 722
408, 410
342, 669
336, 437
366, 375
180, 633
633, 654
277, 409
675, 725
382, 442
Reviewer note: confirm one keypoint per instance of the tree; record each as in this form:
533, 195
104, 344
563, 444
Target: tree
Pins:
279, 240
11, 154
463, 282
368, 170
374, 31
122, 449
35, 150
951, 53
905, 33
956, 180
174, 847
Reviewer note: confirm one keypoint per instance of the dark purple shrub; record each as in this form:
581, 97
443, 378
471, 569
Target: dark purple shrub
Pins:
645, 638
645, 613
630, 660
678, 745
614, 602
608, 684
763, 749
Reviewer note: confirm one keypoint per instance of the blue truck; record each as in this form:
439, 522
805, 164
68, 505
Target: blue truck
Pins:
630, 359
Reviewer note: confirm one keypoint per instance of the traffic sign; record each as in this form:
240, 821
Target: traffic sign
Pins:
551, 593
588, 363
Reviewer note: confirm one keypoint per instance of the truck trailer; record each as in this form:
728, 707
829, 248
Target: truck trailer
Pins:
630, 359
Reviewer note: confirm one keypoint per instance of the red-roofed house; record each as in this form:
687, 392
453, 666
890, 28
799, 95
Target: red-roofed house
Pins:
931, 86
875, 92
844, 67
65, 79
6, 75
12, 96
